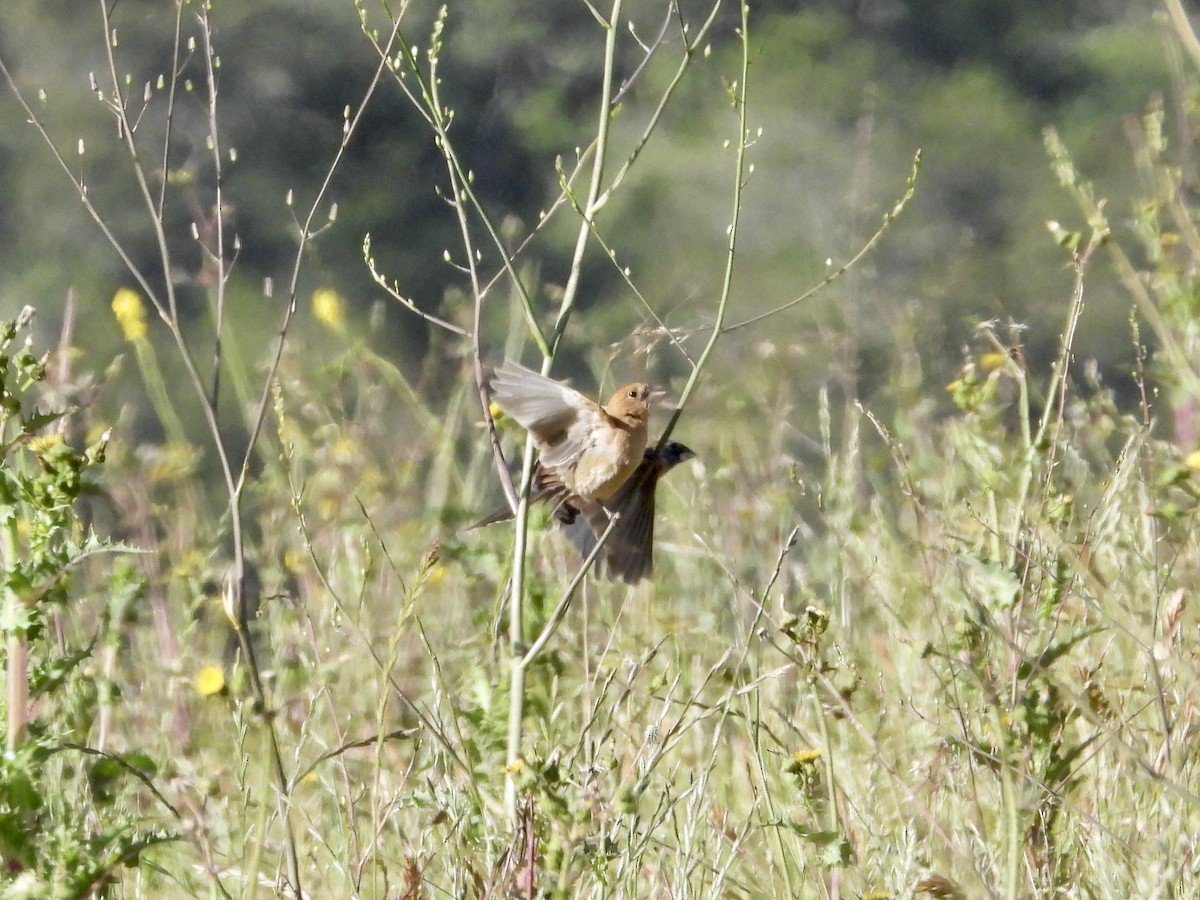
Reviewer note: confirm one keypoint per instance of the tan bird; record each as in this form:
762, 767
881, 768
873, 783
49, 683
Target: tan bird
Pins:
628, 554
588, 449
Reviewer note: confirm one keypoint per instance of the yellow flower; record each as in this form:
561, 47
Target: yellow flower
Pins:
803, 763
43, 443
1192, 460
131, 315
806, 757
187, 566
992, 361
209, 681
330, 309
344, 450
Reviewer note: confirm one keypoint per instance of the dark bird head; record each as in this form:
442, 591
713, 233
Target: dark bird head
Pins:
671, 455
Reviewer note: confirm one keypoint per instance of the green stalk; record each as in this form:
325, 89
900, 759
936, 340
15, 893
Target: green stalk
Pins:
156, 391
1012, 811
516, 638
1056, 395
740, 99
519, 659
17, 646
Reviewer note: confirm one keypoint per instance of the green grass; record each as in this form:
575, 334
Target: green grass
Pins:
973, 662
939, 646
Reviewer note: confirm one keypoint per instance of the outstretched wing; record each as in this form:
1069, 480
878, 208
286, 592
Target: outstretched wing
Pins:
627, 555
561, 420
629, 552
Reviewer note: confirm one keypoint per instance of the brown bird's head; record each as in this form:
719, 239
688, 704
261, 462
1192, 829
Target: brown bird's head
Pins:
631, 404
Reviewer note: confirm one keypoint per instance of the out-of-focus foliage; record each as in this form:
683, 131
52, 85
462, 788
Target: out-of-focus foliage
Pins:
847, 93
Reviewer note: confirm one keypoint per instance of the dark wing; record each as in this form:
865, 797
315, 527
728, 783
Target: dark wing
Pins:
627, 555
582, 521
629, 552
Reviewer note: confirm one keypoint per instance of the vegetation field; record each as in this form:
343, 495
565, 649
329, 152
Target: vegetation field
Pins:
922, 620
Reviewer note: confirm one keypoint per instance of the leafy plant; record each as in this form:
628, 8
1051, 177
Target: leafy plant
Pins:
61, 832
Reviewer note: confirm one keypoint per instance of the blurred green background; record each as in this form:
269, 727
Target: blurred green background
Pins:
845, 94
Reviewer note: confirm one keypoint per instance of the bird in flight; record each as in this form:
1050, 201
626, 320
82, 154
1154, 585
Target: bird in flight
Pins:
592, 462
591, 450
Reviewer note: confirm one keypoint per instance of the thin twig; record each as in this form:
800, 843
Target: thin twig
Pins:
739, 184
888, 218
564, 603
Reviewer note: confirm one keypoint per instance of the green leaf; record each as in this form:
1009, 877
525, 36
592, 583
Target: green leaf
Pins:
54, 673
37, 420
834, 848
1054, 652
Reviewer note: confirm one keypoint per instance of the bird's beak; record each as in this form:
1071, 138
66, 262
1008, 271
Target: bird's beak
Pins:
655, 394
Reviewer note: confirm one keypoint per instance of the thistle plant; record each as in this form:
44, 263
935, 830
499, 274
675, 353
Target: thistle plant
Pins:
51, 838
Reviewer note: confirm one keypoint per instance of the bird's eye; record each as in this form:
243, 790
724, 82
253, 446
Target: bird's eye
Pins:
634, 393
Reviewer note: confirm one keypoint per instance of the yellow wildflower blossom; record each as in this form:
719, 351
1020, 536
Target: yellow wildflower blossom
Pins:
437, 574
806, 757
294, 560
131, 314
329, 309
43, 443
209, 680
992, 361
